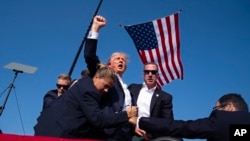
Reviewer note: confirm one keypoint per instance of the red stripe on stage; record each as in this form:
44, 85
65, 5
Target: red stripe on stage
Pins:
14, 137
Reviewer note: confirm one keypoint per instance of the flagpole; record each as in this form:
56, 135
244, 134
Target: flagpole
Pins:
83, 41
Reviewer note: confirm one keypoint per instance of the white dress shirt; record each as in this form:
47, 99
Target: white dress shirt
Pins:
128, 99
93, 35
144, 101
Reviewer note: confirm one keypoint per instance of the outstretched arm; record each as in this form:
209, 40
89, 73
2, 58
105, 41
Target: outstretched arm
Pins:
90, 56
199, 128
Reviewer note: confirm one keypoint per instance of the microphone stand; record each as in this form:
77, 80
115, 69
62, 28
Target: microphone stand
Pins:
10, 88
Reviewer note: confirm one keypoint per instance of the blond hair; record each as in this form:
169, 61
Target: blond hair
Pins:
64, 76
105, 72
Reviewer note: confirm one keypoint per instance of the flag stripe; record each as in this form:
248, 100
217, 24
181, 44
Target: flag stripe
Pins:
170, 33
158, 41
163, 67
180, 67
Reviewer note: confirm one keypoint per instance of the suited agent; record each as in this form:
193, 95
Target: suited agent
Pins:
63, 83
118, 96
151, 101
229, 109
77, 113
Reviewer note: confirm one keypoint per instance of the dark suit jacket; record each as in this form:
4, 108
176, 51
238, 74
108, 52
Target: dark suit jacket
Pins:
213, 128
161, 102
76, 113
49, 97
112, 102
160, 106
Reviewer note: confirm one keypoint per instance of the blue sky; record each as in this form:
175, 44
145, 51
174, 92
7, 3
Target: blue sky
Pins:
47, 34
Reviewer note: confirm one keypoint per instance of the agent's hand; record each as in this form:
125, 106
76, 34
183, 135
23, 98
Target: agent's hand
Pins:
139, 131
131, 111
98, 23
133, 120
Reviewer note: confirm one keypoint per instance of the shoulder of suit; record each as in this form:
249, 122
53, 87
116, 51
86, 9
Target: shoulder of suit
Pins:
52, 91
134, 85
163, 92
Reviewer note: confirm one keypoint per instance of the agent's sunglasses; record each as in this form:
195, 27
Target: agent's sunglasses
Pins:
63, 86
152, 71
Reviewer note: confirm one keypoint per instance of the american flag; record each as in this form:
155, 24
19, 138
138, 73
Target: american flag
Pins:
158, 41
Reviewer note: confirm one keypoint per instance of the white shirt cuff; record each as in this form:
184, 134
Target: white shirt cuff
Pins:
137, 122
93, 35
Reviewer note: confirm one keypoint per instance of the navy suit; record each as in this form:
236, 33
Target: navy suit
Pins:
49, 97
77, 113
213, 128
112, 102
160, 106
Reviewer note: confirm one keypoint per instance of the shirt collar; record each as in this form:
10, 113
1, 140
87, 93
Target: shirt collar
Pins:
146, 87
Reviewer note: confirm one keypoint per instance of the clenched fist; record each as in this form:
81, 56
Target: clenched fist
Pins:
131, 111
98, 22
133, 120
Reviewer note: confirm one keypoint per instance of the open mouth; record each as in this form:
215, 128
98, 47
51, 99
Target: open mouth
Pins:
120, 66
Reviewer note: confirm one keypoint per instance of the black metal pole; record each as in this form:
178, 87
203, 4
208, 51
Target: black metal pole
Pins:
83, 41
10, 88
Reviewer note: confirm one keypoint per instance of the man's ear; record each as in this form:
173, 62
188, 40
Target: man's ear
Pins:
231, 107
158, 75
109, 64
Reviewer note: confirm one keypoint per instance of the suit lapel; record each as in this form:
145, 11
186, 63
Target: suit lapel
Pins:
120, 92
154, 99
136, 93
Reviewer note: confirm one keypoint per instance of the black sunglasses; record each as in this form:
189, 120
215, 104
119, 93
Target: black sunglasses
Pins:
64, 86
152, 71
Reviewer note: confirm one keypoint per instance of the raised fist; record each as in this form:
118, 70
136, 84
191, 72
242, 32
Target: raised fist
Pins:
98, 22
